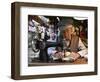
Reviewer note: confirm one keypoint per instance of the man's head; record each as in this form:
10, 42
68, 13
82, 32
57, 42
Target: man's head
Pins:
68, 31
69, 28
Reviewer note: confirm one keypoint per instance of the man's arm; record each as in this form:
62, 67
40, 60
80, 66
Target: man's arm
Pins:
83, 50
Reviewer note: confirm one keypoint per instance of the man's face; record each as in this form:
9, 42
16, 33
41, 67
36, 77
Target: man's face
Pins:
70, 29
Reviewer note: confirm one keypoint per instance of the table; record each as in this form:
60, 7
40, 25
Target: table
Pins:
78, 61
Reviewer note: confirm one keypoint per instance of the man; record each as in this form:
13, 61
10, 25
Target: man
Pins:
73, 47
72, 43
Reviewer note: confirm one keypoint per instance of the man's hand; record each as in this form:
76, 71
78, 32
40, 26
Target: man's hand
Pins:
74, 55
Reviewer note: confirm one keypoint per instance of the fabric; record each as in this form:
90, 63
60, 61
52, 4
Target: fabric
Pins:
74, 43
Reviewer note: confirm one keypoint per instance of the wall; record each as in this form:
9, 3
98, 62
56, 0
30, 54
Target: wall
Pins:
5, 39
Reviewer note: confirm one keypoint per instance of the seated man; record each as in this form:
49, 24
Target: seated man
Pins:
72, 49
73, 44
